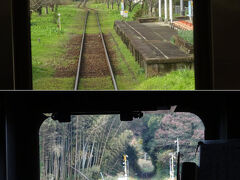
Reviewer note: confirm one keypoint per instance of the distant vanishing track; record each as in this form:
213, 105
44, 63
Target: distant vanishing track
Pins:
87, 59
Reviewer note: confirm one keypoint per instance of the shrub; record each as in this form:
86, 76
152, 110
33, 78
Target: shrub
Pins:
138, 14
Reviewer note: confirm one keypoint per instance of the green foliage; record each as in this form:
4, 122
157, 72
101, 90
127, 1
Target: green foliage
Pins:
111, 15
163, 130
133, 160
93, 172
117, 146
47, 45
55, 17
138, 14
182, 79
92, 27
186, 35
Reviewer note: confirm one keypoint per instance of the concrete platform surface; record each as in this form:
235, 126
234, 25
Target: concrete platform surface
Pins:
153, 39
150, 43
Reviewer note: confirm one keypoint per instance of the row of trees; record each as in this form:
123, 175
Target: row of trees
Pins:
159, 133
38, 5
83, 148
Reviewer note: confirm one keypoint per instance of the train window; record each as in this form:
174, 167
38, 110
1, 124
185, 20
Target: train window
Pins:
112, 45
103, 147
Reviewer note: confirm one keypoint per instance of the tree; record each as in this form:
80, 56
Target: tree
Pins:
83, 147
160, 132
37, 5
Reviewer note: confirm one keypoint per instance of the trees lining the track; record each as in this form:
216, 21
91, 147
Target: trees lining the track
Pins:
38, 5
88, 144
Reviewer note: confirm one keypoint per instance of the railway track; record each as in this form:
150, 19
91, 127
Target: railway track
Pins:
86, 60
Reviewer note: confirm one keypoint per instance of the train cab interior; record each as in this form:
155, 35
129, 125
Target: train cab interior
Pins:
216, 68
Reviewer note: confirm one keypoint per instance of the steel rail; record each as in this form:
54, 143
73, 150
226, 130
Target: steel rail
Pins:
106, 54
81, 52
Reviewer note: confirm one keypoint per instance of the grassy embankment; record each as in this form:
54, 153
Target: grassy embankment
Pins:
177, 80
186, 35
48, 48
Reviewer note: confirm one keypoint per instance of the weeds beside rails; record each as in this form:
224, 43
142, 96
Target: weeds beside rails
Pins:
186, 35
47, 43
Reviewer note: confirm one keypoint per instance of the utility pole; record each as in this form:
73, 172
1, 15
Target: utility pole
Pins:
102, 175
190, 10
171, 164
170, 11
172, 167
165, 8
125, 166
171, 161
182, 11
59, 22
178, 159
160, 9
122, 8
177, 141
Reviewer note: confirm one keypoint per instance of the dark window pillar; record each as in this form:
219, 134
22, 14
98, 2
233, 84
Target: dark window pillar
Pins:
202, 45
15, 56
2, 147
22, 146
22, 45
6, 55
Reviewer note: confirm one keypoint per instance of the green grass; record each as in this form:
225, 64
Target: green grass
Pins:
110, 15
127, 81
186, 35
182, 79
92, 27
48, 45
50, 83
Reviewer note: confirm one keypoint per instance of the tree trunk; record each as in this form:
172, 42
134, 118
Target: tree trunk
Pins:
39, 10
112, 3
46, 9
118, 5
130, 6
79, 4
56, 8
91, 154
76, 147
52, 7
106, 141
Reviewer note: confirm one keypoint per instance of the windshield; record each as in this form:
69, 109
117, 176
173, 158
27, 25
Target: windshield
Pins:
103, 147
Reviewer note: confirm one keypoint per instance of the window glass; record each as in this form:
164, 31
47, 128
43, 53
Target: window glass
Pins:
102, 146
149, 45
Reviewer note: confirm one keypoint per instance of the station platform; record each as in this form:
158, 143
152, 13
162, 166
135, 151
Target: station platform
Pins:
151, 46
